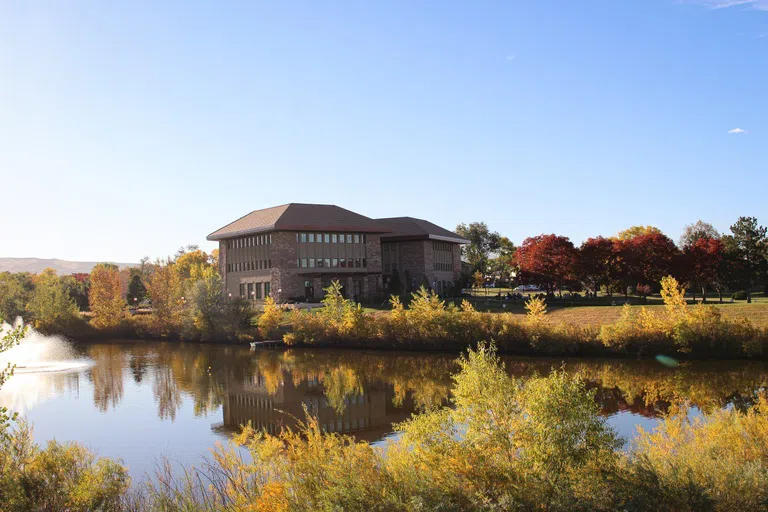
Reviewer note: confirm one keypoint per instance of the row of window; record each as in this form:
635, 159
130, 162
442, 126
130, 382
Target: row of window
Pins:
249, 241
442, 246
254, 291
443, 266
331, 238
332, 262
247, 266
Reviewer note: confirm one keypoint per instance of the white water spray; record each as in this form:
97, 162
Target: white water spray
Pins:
45, 365
40, 353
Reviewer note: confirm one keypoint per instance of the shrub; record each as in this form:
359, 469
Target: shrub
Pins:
739, 295
270, 318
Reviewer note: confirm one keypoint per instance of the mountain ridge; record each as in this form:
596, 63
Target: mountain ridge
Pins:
37, 265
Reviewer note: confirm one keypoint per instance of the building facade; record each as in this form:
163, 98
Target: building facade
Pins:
293, 251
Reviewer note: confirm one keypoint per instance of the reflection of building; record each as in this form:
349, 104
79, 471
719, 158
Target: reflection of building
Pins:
368, 416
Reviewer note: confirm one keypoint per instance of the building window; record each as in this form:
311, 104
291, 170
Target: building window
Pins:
363, 236
270, 238
365, 262
311, 238
328, 262
269, 263
357, 262
303, 262
258, 290
320, 262
327, 238
242, 290
319, 237
335, 262
343, 262
349, 238
341, 238
303, 237
266, 289
250, 290
311, 262
357, 238
333, 238
297, 262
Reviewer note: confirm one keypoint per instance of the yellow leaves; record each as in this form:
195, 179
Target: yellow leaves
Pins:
536, 308
270, 318
674, 298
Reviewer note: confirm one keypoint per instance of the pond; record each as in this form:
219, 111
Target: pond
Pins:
140, 401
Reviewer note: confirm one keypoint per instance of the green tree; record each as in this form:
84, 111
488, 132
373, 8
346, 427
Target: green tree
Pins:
482, 243
751, 245
50, 306
501, 263
15, 292
137, 292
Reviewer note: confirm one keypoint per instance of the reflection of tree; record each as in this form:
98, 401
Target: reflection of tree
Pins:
139, 364
107, 375
166, 392
207, 373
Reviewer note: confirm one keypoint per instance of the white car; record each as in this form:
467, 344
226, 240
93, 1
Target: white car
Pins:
527, 288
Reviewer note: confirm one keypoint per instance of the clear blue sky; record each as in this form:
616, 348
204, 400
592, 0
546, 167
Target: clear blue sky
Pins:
132, 128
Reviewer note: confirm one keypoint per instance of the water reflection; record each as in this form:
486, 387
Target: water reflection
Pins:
357, 392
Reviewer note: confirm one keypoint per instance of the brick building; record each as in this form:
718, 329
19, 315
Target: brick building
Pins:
296, 250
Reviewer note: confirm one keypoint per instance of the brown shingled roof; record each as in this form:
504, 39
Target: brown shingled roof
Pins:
408, 228
298, 217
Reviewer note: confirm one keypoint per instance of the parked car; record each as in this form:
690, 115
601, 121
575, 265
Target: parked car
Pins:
527, 288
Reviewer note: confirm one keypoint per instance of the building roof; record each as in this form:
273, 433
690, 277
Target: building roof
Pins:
408, 228
299, 217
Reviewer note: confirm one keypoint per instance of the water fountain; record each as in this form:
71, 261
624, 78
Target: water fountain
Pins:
40, 353
45, 365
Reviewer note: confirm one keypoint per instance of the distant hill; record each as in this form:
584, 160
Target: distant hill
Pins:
37, 265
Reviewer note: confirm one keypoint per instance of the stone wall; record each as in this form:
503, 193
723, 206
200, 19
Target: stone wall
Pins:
286, 282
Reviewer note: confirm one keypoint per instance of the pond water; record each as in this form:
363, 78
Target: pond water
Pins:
139, 401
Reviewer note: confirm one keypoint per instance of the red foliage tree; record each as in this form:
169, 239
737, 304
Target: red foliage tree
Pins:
646, 258
703, 259
598, 263
549, 261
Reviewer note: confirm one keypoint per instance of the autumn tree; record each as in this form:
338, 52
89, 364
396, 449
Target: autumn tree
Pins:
50, 305
105, 296
549, 261
646, 258
598, 263
703, 259
634, 231
164, 288
751, 245
482, 243
190, 260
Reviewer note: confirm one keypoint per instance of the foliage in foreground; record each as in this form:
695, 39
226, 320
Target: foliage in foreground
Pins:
429, 323
57, 477
503, 444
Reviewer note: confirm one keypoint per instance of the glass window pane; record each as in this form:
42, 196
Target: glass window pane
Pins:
312, 238
312, 262
349, 238
333, 238
304, 262
327, 238
327, 263
335, 262
303, 237
357, 238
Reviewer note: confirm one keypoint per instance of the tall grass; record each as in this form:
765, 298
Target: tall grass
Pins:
428, 323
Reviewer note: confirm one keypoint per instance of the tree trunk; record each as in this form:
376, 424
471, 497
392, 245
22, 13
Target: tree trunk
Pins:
693, 292
720, 293
703, 294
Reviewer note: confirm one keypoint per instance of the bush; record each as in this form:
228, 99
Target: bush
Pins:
57, 477
501, 444
739, 295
